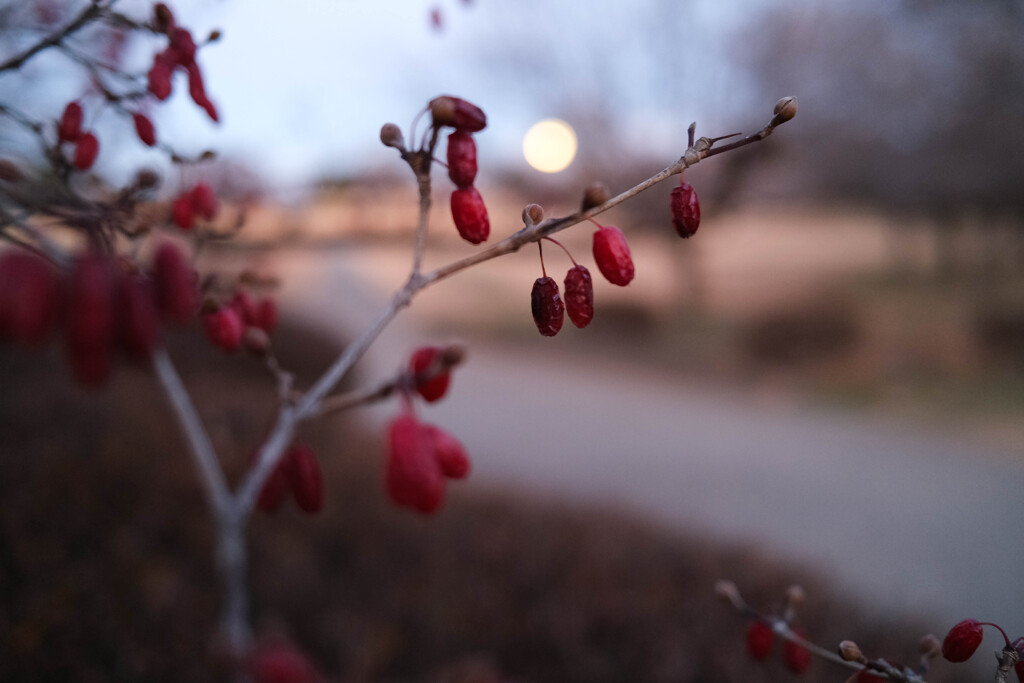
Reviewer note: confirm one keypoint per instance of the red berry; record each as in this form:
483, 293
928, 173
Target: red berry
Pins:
224, 328
433, 389
546, 305
159, 75
144, 128
70, 127
29, 297
274, 488
246, 306
182, 46
86, 151
962, 640
413, 476
305, 478
90, 318
470, 215
685, 210
461, 159
579, 296
280, 662
458, 113
138, 321
266, 315
611, 253
1018, 645
198, 91
760, 638
204, 201
450, 453
175, 284
797, 658
183, 212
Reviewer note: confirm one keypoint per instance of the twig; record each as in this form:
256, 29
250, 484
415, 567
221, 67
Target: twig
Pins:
93, 11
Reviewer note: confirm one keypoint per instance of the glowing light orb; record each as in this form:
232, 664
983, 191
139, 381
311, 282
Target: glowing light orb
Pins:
550, 145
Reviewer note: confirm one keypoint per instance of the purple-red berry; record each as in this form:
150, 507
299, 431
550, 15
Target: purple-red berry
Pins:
86, 151
413, 476
611, 253
797, 658
462, 159
144, 129
760, 639
546, 306
470, 215
456, 112
70, 127
579, 296
433, 389
305, 478
224, 328
685, 210
962, 640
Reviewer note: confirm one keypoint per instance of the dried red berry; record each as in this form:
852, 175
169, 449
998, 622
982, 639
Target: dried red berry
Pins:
413, 476
159, 76
86, 151
183, 46
281, 662
579, 296
470, 215
462, 159
275, 488
183, 212
611, 253
305, 478
90, 318
760, 639
70, 127
224, 328
450, 454
797, 658
198, 91
175, 284
546, 305
962, 640
458, 113
29, 297
685, 210
144, 128
434, 389
138, 321
204, 201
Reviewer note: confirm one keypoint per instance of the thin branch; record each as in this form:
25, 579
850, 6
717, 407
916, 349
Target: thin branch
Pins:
91, 12
211, 475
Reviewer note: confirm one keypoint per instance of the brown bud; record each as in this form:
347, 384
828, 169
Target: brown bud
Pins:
795, 596
929, 646
146, 179
597, 193
163, 18
391, 136
850, 652
208, 155
214, 36
9, 173
785, 109
727, 592
452, 355
533, 214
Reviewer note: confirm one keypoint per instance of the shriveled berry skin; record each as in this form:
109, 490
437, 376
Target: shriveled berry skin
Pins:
464, 116
70, 127
305, 478
611, 253
797, 658
546, 306
962, 641
413, 477
449, 452
760, 639
175, 284
434, 389
145, 129
685, 210
462, 159
579, 296
86, 151
470, 215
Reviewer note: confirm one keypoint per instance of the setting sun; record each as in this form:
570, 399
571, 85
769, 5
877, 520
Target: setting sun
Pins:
550, 145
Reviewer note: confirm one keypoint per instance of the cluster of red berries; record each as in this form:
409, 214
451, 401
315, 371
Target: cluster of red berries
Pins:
468, 210
180, 53
230, 326
199, 202
69, 129
614, 261
104, 305
422, 456
761, 641
963, 640
297, 472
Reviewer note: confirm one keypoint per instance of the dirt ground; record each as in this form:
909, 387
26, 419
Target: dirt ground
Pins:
106, 571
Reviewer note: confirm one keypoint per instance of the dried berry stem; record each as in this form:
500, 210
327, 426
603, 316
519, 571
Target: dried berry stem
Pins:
551, 239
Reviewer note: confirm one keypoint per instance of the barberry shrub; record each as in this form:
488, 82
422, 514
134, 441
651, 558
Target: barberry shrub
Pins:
111, 283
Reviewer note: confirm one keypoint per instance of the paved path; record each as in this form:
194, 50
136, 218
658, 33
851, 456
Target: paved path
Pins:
906, 521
